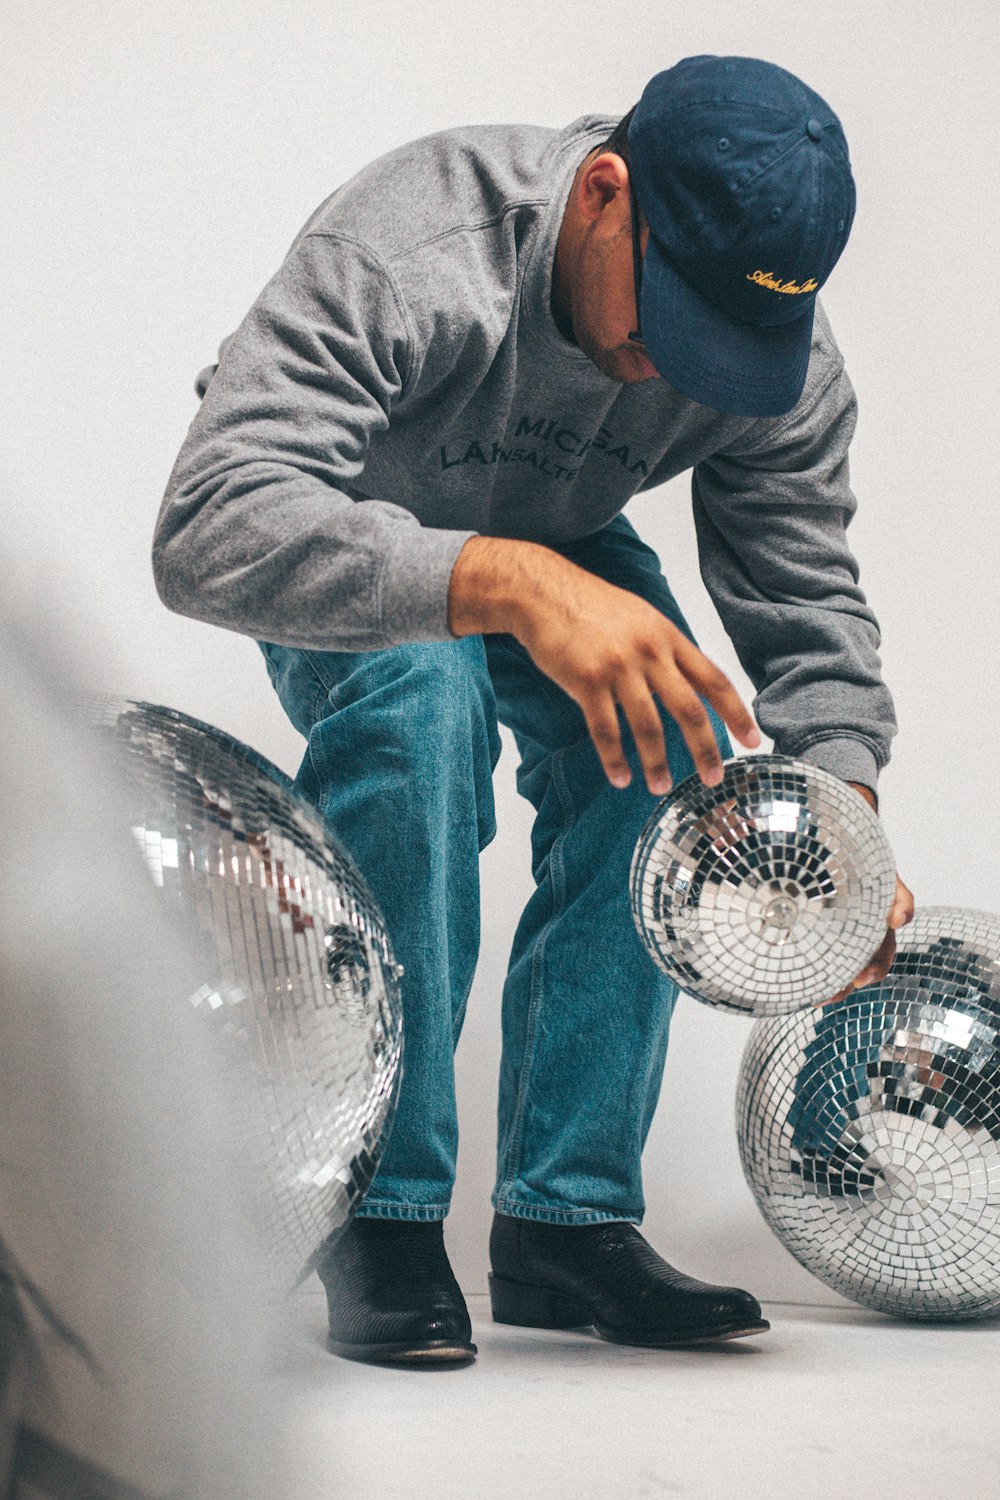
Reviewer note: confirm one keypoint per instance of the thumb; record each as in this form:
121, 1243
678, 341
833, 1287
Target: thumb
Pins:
902, 906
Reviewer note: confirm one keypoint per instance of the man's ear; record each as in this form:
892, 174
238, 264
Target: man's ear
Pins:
603, 184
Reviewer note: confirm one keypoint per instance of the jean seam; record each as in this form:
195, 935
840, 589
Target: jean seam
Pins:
458, 1019
490, 836
322, 701
558, 880
312, 757
511, 1208
400, 1210
325, 685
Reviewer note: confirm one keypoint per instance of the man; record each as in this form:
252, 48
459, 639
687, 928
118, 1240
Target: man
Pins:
406, 479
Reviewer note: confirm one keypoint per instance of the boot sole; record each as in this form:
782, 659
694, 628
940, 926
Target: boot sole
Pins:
522, 1306
685, 1338
428, 1352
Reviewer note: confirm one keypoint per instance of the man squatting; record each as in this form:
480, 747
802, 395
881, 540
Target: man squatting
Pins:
406, 480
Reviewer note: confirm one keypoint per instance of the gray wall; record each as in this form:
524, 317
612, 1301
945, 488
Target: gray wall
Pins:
158, 161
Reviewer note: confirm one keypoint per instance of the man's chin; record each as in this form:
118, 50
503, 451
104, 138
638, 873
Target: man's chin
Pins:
626, 363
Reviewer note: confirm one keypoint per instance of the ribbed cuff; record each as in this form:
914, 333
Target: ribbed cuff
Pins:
846, 757
413, 584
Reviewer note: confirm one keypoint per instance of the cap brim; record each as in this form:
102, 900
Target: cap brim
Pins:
737, 368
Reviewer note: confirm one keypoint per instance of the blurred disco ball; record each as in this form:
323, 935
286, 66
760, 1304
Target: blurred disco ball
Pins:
869, 1129
300, 978
766, 893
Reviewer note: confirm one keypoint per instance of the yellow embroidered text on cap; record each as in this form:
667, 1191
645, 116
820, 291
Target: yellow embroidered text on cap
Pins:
768, 279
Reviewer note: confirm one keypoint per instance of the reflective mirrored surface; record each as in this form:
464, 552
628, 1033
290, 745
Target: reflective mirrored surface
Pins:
870, 1129
765, 893
300, 982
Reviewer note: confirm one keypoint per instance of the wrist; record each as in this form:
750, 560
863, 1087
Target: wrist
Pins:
867, 793
493, 583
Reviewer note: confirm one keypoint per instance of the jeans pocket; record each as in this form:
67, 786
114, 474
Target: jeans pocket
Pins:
300, 689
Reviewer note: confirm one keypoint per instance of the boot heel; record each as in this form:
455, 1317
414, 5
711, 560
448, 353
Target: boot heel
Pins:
535, 1306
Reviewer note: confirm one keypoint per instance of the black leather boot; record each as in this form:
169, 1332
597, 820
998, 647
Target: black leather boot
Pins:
392, 1296
606, 1275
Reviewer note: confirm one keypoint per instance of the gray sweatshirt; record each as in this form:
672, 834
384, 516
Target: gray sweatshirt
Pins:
400, 385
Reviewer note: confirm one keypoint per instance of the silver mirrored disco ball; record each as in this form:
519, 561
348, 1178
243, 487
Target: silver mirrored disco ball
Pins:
766, 893
870, 1129
300, 978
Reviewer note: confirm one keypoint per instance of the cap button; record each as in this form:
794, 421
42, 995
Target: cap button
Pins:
814, 129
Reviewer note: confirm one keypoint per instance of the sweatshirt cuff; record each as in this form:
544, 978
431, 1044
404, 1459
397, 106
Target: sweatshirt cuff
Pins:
846, 757
413, 584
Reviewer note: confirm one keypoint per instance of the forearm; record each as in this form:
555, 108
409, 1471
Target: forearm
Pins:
495, 582
276, 554
771, 515
264, 528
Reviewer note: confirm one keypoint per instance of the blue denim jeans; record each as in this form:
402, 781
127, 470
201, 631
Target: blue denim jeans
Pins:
402, 747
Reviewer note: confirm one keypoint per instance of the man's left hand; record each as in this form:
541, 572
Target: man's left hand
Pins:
880, 962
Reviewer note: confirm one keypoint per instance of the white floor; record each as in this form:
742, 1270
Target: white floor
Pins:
830, 1405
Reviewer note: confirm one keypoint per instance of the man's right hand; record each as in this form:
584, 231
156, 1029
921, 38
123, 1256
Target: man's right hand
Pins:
604, 646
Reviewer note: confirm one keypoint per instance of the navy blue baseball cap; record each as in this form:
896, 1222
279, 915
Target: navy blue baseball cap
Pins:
743, 175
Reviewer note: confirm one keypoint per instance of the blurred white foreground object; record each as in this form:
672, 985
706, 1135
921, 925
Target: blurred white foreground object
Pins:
134, 1332
296, 979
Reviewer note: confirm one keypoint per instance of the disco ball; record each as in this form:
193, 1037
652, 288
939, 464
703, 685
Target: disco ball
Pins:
869, 1129
766, 893
300, 979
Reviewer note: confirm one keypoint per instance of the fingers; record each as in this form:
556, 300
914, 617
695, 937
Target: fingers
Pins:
687, 710
680, 679
646, 724
902, 906
647, 730
713, 684
882, 959
600, 713
636, 696
874, 971
879, 964
601, 716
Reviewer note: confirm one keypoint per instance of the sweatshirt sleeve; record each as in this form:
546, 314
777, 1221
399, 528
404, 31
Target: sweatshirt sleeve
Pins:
771, 514
256, 531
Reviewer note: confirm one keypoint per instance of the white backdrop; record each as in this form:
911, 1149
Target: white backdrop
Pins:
158, 161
